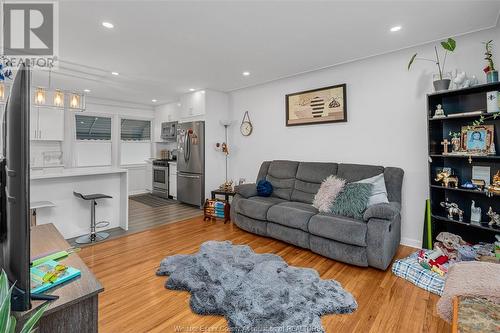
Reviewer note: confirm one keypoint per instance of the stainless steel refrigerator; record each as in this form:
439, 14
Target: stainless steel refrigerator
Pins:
191, 163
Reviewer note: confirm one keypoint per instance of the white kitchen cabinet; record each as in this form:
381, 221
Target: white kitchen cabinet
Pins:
47, 124
193, 104
149, 176
172, 180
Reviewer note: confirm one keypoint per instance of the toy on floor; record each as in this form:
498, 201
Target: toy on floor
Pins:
433, 261
448, 243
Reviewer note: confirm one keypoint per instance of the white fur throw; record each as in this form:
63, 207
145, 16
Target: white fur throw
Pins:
327, 193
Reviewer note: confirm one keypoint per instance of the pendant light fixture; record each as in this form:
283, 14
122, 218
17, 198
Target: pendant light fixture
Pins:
74, 101
58, 98
40, 95
2, 91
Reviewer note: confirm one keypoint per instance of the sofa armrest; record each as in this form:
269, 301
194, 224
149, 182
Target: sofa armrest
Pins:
383, 211
246, 190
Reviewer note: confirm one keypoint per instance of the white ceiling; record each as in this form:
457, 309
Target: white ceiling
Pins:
161, 49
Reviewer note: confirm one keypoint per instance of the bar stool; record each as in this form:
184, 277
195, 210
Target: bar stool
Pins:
93, 236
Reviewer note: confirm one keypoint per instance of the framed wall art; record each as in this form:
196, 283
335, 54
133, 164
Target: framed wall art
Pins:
317, 106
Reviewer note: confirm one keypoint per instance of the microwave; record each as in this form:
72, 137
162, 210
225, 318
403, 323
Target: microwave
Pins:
169, 130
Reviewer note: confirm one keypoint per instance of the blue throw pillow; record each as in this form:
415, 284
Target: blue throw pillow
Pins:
264, 188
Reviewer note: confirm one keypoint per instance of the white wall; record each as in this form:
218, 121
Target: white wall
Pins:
386, 108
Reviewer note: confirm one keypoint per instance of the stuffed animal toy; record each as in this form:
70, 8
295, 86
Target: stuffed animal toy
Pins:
448, 243
433, 260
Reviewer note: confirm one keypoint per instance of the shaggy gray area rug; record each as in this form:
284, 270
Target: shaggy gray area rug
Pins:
255, 292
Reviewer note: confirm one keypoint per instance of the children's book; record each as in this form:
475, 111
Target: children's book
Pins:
50, 274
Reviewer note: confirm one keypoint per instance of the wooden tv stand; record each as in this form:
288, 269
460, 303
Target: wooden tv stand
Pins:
76, 308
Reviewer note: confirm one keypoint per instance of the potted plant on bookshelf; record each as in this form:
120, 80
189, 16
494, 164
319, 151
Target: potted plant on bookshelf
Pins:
8, 321
491, 72
442, 79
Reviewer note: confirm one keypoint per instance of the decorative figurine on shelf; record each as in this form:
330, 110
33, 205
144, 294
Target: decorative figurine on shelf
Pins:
226, 186
461, 80
455, 142
452, 209
445, 143
475, 214
439, 113
469, 186
480, 184
446, 179
495, 185
495, 217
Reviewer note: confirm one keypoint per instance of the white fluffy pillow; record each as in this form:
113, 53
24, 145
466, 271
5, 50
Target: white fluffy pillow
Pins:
379, 192
327, 193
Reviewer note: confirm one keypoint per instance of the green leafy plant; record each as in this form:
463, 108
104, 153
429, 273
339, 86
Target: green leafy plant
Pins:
454, 134
7, 320
488, 56
449, 46
482, 119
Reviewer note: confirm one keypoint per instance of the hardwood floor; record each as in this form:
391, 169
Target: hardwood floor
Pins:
135, 300
143, 217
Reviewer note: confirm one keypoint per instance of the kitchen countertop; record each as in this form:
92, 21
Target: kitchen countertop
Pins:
74, 172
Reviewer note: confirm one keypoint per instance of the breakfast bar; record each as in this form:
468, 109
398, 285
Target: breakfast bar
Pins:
70, 214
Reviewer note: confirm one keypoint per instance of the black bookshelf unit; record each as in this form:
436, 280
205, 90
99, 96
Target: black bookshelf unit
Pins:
461, 107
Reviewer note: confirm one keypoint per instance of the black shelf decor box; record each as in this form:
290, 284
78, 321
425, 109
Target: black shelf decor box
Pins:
462, 107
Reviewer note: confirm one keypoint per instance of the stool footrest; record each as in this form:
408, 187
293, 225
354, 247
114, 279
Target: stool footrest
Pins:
102, 224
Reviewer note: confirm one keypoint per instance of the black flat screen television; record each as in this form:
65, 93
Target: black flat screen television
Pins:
15, 190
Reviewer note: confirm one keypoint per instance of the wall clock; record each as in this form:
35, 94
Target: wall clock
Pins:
246, 126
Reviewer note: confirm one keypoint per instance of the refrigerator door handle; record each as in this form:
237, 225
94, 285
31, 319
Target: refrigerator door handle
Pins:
187, 176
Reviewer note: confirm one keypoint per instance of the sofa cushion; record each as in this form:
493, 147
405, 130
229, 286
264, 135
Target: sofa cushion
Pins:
281, 174
292, 214
339, 228
355, 172
308, 179
256, 207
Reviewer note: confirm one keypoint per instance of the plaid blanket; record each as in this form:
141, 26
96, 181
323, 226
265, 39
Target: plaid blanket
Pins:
409, 269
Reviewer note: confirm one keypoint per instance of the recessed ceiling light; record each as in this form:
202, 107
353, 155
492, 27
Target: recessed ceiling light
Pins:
115, 73
86, 90
192, 89
245, 73
108, 25
154, 100
203, 91
395, 28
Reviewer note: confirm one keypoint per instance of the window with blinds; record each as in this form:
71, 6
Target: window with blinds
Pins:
135, 130
93, 128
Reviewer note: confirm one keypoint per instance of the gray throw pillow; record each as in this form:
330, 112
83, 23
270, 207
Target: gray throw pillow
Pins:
379, 192
352, 201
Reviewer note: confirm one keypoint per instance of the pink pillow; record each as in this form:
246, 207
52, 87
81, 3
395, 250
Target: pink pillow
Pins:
328, 191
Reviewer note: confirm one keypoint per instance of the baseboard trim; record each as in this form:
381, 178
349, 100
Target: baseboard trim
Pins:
411, 242
137, 192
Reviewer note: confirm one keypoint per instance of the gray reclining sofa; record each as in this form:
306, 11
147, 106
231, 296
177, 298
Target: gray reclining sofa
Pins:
288, 214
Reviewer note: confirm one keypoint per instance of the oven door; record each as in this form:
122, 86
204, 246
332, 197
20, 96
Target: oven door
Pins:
160, 178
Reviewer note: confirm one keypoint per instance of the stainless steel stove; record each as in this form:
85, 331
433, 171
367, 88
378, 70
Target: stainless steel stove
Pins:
160, 178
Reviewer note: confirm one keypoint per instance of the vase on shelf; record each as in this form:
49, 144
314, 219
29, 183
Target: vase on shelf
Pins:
492, 76
441, 81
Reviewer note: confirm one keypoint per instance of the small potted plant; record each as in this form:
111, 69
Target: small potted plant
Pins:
7, 320
491, 72
442, 79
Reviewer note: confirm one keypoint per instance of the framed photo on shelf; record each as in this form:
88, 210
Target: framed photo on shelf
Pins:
317, 106
478, 139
